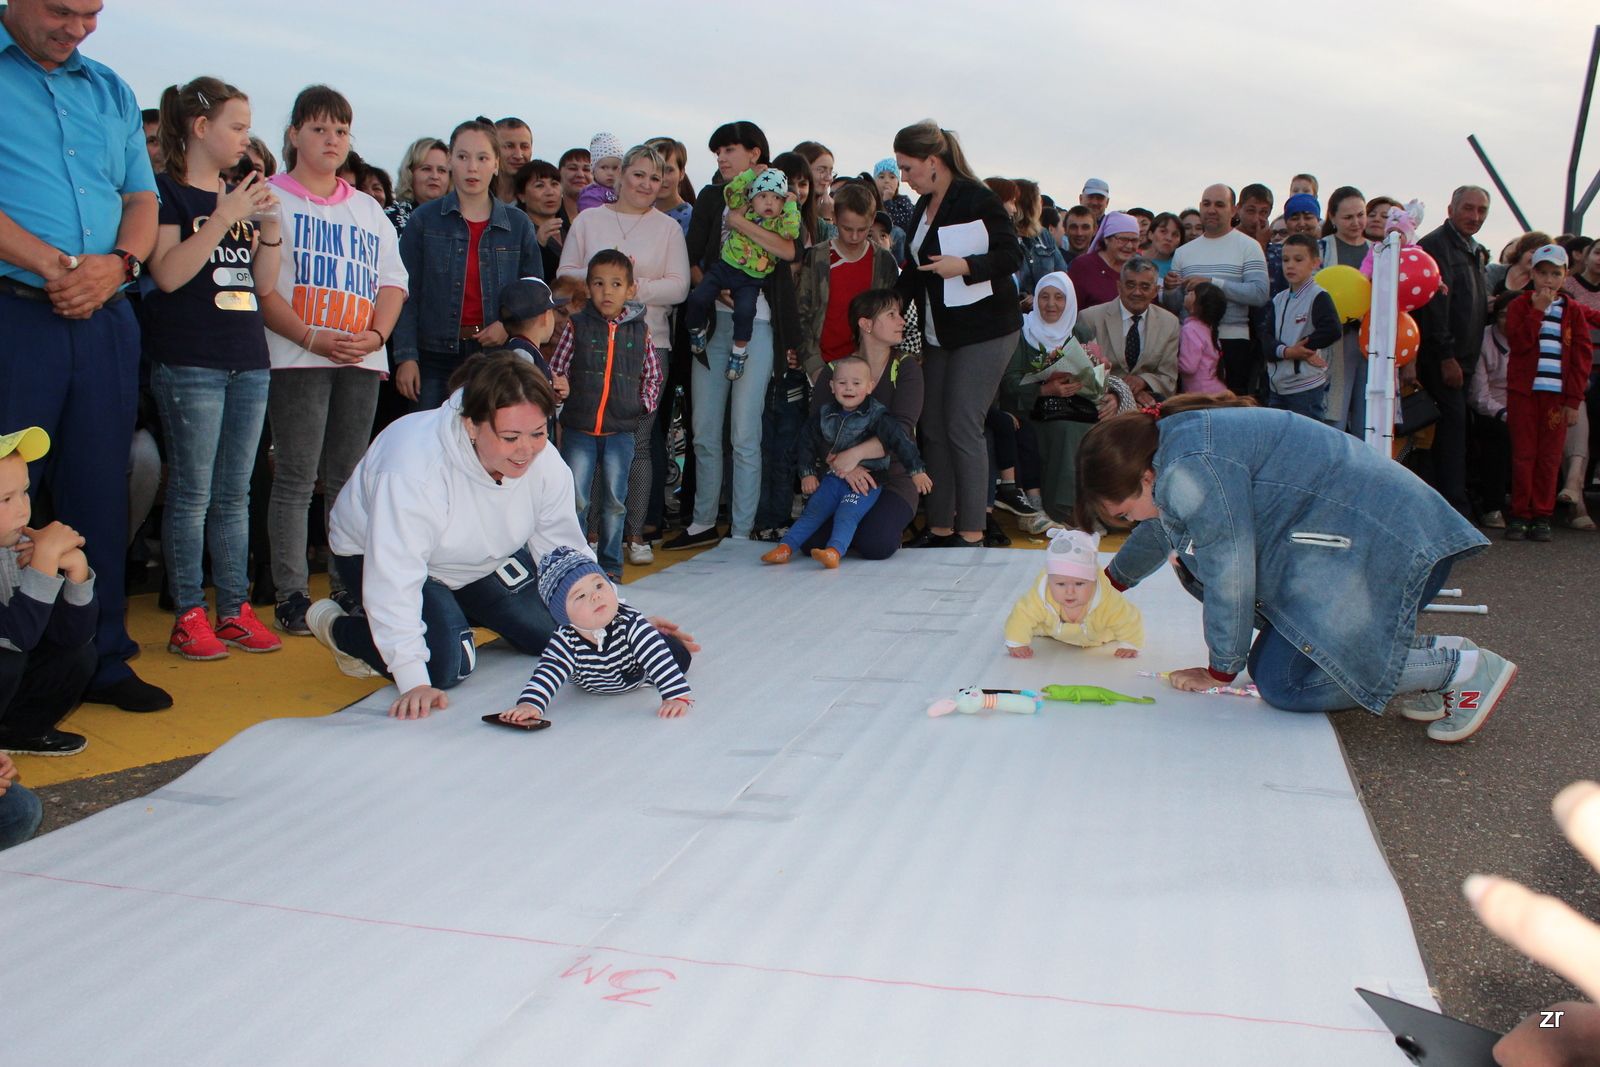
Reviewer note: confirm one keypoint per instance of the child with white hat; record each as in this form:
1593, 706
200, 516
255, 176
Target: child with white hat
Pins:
605, 161
1074, 602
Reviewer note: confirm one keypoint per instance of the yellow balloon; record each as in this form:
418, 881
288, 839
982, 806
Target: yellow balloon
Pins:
1350, 289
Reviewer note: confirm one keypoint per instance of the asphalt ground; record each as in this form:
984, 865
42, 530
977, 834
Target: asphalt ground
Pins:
1440, 812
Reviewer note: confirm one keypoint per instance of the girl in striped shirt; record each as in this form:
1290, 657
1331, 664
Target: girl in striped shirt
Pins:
605, 646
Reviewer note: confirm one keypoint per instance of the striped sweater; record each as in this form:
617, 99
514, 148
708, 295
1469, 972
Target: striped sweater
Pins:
630, 652
1236, 264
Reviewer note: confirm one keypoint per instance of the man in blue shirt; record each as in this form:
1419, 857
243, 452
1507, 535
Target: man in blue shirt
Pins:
77, 217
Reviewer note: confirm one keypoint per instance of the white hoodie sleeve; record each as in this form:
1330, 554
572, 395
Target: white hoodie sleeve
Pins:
403, 528
555, 519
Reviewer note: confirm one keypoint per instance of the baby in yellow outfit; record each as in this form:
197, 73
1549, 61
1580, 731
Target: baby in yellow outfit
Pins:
1074, 602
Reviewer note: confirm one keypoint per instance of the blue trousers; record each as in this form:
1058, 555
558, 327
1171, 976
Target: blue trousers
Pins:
506, 601
612, 455
834, 499
1311, 403
79, 381
20, 812
741, 287
782, 421
1291, 680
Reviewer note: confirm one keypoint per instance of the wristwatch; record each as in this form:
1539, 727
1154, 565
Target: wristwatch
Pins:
131, 267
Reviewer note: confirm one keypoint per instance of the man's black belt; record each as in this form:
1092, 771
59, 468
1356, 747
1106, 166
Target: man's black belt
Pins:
33, 292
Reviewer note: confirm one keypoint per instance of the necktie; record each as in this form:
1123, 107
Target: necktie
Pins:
1130, 350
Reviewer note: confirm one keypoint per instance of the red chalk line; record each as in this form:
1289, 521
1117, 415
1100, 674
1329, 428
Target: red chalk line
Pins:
906, 983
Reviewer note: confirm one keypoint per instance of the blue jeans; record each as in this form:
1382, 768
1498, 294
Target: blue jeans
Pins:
212, 420
434, 370
713, 395
611, 454
20, 812
1311, 403
782, 422
506, 601
834, 499
1288, 679
741, 287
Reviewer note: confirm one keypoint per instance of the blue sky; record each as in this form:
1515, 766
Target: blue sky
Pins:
1159, 98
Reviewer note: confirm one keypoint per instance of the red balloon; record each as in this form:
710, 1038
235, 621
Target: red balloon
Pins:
1407, 341
1419, 278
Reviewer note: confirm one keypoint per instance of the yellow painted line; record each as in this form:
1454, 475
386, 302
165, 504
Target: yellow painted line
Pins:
214, 701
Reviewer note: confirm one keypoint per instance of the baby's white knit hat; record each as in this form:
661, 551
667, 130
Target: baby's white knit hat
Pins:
1073, 554
604, 146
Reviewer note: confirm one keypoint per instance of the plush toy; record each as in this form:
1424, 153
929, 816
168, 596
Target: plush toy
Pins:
1027, 701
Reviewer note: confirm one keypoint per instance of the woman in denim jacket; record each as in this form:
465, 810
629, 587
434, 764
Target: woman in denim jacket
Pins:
1290, 527
460, 251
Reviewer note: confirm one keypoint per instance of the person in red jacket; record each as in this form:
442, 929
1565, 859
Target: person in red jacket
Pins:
1547, 370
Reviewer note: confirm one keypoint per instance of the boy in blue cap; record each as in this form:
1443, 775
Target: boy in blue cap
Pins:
603, 645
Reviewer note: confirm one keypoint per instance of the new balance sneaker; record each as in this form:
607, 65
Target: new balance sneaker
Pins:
1037, 523
640, 554
319, 619
193, 638
1469, 704
736, 362
1420, 707
246, 631
290, 614
1014, 500
49, 743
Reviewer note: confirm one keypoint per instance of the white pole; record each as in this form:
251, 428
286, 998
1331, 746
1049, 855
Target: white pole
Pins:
1458, 609
1381, 340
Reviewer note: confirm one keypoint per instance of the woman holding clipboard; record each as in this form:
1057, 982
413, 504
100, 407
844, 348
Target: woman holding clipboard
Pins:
964, 250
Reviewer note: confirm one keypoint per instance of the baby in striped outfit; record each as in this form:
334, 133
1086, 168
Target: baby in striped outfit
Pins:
603, 645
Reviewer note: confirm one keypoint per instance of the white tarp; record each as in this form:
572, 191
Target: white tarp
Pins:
805, 870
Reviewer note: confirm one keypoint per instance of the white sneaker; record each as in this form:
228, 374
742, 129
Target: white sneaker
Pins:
640, 554
1494, 520
320, 618
1469, 704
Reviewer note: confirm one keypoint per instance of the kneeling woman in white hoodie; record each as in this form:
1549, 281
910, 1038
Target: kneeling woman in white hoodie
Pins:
437, 531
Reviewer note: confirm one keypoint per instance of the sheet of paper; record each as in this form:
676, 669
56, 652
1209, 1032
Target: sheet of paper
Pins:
964, 239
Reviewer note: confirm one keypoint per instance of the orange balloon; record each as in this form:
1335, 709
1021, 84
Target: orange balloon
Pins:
1406, 343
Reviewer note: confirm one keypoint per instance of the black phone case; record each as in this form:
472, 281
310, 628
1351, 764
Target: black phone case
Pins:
532, 724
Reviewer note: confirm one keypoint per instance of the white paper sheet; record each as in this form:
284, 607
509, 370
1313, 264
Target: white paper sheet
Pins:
806, 869
964, 239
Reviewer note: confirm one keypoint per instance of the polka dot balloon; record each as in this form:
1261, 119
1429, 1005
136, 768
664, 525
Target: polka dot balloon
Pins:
1419, 278
1407, 340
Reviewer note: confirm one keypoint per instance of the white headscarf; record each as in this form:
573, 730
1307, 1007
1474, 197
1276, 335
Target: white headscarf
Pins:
1051, 335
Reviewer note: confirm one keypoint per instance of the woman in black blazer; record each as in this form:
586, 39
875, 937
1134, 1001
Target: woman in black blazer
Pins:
967, 347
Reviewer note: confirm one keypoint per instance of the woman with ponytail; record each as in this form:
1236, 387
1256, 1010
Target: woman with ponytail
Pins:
967, 346
1286, 525
217, 248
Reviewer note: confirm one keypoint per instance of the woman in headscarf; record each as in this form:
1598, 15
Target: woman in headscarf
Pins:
1096, 273
1046, 334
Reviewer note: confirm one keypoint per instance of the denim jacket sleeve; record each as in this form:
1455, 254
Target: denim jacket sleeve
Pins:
1142, 553
403, 347
1213, 497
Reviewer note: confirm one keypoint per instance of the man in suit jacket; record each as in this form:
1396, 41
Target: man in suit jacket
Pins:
1134, 329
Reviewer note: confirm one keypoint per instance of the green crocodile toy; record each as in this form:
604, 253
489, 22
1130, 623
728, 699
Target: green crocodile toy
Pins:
1090, 694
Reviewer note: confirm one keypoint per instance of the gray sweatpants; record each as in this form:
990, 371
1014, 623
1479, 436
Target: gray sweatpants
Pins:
321, 423
959, 385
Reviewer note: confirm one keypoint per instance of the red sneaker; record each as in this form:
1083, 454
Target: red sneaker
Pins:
193, 638
246, 631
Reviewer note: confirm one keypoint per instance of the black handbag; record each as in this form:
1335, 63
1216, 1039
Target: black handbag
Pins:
1065, 409
1418, 411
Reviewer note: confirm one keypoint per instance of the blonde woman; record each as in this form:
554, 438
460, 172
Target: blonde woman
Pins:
424, 175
